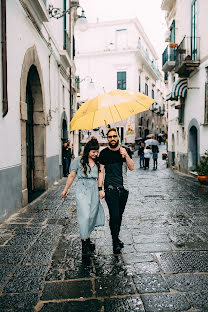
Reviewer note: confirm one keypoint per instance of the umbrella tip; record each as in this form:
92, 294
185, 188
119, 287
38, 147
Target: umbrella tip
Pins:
105, 123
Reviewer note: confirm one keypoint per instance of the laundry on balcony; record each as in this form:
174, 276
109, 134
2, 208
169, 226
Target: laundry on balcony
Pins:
179, 88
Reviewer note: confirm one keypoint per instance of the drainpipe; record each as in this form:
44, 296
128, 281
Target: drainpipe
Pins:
4, 57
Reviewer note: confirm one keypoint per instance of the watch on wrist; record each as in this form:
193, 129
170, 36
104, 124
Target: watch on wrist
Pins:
100, 188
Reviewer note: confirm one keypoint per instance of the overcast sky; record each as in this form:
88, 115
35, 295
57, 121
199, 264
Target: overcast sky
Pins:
148, 12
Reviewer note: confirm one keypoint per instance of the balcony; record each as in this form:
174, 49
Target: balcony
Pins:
187, 56
37, 9
150, 63
167, 5
168, 59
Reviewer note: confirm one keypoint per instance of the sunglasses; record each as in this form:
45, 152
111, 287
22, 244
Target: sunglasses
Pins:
112, 136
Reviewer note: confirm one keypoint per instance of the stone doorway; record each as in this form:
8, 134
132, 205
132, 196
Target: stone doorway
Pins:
33, 128
193, 148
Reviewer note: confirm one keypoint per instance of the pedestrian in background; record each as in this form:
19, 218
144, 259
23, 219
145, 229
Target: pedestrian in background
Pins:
155, 151
141, 154
114, 160
90, 212
147, 155
67, 155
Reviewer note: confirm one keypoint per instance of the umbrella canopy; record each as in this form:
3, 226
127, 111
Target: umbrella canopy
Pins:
138, 139
110, 107
150, 135
151, 142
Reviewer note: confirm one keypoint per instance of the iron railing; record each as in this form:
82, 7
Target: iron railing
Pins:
151, 63
45, 2
168, 55
188, 50
67, 45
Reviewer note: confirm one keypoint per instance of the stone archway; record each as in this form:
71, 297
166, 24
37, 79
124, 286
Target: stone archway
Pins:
173, 150
193, 144
64, 138
32, 98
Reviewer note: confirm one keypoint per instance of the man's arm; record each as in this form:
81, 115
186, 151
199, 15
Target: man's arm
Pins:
100, 181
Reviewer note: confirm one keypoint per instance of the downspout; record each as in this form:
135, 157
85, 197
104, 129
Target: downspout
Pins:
4, 58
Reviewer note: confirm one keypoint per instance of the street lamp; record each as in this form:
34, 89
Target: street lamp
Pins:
58, 13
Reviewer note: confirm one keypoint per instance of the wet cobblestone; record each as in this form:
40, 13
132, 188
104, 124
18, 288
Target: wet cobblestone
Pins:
163, 266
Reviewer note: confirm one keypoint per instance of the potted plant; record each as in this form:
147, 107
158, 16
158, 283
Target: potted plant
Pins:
202, 168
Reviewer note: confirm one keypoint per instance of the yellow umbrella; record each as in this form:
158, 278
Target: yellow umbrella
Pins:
110, 107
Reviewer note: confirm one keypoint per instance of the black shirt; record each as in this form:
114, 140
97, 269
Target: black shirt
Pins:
115, 167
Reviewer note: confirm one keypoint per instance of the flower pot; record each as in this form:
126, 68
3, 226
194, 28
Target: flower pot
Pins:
203, 179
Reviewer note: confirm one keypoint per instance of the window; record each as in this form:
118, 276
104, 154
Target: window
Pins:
146, 88
121, 38
206, 104
194, 30
139, 83
153, 94
121, 80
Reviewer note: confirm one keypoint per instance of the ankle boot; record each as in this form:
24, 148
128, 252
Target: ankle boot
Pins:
90, 244
116, 247
121, 244
85, 248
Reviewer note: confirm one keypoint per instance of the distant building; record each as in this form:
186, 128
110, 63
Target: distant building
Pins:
185, 63
118, 55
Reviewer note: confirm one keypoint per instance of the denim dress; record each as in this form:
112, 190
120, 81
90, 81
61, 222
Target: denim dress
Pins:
90, 212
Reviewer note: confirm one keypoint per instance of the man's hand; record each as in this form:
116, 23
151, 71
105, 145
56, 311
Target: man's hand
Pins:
123, 152
101, 194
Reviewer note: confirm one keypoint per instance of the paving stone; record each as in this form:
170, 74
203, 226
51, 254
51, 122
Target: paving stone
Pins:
23, 285
136, 258
165, 303
113, 286
109, 265
150, 283
21, 302
148, 239
188, 282
147, 267
182, 262
128, 304
10, 258
67, 289
73, 306
30, 271
80, 269
153, 247
199, 299
4, 273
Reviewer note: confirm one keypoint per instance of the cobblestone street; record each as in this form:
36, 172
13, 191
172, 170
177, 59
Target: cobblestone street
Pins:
163, 266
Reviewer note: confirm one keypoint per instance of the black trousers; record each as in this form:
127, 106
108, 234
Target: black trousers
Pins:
116, 201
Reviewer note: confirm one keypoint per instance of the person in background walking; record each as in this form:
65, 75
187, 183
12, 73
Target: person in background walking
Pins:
141, 154
90, 212
115, 160
67, 155
147, 155
155, 151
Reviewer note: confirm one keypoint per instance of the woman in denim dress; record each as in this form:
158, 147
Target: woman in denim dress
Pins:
89, 209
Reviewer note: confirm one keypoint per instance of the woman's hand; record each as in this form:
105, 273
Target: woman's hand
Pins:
101, 194
63, 194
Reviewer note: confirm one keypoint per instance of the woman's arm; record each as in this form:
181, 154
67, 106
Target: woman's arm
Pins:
100, 181
69, 181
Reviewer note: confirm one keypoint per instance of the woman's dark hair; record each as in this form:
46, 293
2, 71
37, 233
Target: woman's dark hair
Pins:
91, 145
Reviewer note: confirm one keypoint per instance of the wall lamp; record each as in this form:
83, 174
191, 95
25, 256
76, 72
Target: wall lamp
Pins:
58, 13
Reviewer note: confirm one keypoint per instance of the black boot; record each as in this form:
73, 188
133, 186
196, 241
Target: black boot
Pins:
116, 247
114, 232
90, 244
121, 244
85, 247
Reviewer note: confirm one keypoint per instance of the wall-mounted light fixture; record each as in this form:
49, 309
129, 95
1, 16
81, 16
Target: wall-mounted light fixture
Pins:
58, 13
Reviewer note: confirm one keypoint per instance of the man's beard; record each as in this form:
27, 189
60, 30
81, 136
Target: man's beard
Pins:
113, 145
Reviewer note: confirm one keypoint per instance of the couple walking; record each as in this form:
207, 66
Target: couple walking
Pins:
100, 177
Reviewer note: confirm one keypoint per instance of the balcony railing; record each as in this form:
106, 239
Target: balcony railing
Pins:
187, 56
67, 44
45, 2
151, 63
168, 55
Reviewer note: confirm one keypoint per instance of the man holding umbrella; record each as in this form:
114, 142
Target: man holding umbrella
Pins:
115, 160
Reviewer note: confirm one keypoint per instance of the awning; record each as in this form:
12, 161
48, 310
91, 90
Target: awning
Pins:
179, 88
